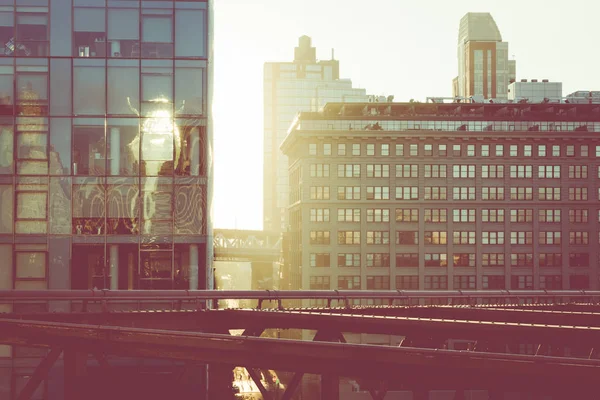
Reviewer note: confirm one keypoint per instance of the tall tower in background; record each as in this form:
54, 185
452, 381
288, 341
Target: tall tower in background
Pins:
483, 65
304, 84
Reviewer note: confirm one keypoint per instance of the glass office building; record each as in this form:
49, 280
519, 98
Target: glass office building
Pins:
105, 144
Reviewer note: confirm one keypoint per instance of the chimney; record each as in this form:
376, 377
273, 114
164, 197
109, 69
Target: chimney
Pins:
534, 80
523, 80
545, 80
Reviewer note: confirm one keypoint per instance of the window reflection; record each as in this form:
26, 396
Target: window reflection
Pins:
7, 33
123, 207
88, 207
157, 36
89, 155
32, 35
6, 149
123, 143
123, 33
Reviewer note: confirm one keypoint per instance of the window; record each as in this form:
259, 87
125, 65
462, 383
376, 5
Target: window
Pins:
407, 237
521, 215
356, 149
378, 215
378, 237
578, 171
470, 150
597, 151
464, 259
428, 149
527, 150
492, 237
408, 192
463, 171
312, 149
492, 171
549, 237
31, 267
319, 260
492, 259
399, 149
485, 150
463, 237
319, 215
549, 215
378, 260
578, 215
550, 259
348, 214
436, 237
541, 150
492, 215
407, 282
319, 192
407, 260
436, 282
385, 149
521, 193
499, 150
521, 237
578, 194
436, 171
31, 34
348, 237
555, 151
319, 237
319, 170
414, 149
570, 150
348, 193
584, 150
578, 237
434, 193
551, 282
348, 170
549, 171
549, 194
349, 260
463, 215
89, 30
579, 282
378, 171
514, 150
464, 282
579, 260
442, 150
407, 171
435, 215
326, 149
521, 282
320, 283
456, 150
492, 193
370, 149
463, 193
341, 149
493, 282
378, 283
521, 171
436, 260
407, 215
349, 282
378, 193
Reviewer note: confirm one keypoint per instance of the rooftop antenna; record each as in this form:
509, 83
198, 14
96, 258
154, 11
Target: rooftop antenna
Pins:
332, 54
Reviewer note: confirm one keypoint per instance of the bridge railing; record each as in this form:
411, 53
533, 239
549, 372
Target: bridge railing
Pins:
107, 300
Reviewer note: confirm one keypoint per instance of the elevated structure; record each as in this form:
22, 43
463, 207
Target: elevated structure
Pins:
483, 65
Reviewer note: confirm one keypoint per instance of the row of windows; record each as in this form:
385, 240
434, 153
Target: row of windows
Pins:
440, 215
434, 282
458, 171
459, 193
457, 150
353, 237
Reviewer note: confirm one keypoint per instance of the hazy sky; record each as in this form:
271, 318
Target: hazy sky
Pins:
400, 47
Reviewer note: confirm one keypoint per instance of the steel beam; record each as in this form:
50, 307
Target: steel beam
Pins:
40, 373
292, 386
330, 387
442, 368
256, 378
